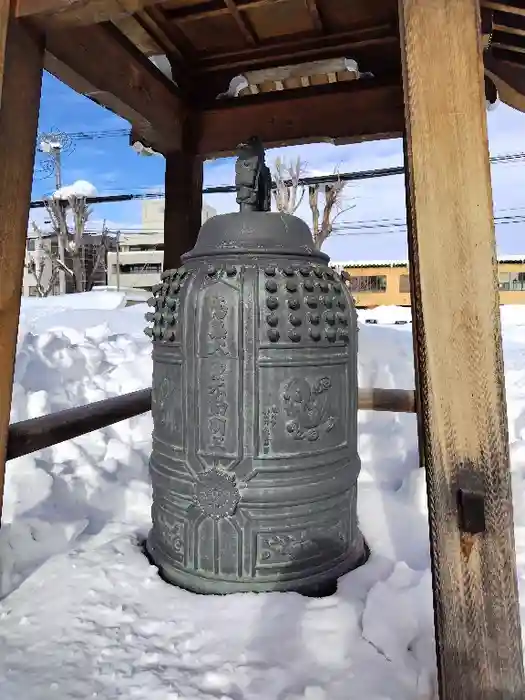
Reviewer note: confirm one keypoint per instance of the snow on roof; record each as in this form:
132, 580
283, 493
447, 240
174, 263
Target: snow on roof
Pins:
404, 263
80, 188
370, 263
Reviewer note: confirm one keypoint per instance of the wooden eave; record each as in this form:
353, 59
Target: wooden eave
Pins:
101, 48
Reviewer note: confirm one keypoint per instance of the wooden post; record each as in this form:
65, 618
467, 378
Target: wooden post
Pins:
459, 357
21, 65
183, 204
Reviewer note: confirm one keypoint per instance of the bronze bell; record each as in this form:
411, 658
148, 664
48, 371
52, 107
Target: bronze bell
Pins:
254, 463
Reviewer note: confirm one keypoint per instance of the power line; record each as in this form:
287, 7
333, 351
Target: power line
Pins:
363, 227
303, 182
100, 134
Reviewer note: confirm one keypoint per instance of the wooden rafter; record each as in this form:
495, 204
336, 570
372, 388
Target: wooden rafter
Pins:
156, 30
505, 40
516, 7
191, 13
380, 56
241, 22
80, 12
504, 55
152, 21
178, 39
204, 10
341, 113
509, 80
138, 35
508, 22
99, 62
354, 44
313, 10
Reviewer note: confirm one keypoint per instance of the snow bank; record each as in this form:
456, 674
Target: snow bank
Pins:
85, 615
69, 357
85, 310
386, 315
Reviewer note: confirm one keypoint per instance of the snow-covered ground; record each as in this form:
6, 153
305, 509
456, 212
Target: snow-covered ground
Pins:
83, 613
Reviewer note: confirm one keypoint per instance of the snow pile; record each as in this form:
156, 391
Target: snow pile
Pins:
80, 188
70, 357
87, 616
386, 315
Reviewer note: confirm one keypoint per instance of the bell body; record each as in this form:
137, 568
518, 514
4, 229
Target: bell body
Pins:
254, 463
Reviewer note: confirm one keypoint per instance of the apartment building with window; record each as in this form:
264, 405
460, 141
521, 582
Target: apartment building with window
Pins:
387, 283
137, 261
43, 248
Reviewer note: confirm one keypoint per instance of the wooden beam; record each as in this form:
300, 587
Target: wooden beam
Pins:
506, 40
35, 434
21, 65
182, 203
459, 357
509, 80
507, 55
512, 24
5, 6
376, 50
358, 44
153, 22
347, 112
101, 63
80, 12
511, 47
191, 12
241, 22
516, 7
313, 11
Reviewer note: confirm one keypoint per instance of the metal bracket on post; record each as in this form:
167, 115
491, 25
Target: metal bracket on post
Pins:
471, 510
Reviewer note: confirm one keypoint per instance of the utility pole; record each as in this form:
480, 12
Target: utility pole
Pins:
56, 153
53, 147
118, 261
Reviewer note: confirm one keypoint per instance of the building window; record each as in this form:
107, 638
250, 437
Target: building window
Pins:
404, 284
33, 291
138, 269
31, 244
142, 248
368, 283
512, 281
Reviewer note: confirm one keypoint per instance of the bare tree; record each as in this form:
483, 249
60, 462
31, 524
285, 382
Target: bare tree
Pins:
81, 212
288, 193
57, 210
100, 258
72, 241
41, 264
333, 207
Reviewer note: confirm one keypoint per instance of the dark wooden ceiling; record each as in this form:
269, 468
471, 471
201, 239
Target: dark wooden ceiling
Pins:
100, 47
210, 42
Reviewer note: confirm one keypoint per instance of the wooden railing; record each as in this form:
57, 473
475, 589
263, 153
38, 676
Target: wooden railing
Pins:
38, 433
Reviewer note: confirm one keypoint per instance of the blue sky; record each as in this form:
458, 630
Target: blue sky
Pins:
376, 215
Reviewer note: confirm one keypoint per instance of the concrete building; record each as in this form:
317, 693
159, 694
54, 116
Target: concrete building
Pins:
42, 249
153, 215
137, 262
387, 282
